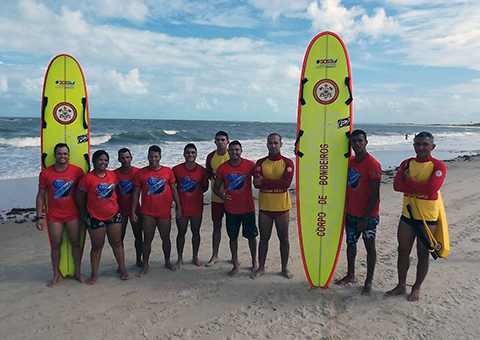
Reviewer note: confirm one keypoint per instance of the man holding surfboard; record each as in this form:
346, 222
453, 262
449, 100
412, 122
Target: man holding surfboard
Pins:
420, 179
236, 177
59, 181
273, 175
363, 201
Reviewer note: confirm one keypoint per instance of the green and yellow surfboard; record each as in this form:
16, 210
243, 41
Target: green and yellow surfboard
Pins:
322, 149
65, 119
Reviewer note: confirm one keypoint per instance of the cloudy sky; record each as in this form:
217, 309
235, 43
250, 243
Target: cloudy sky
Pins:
412, 60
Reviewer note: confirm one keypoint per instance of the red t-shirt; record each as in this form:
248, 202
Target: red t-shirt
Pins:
61, 187
191, 184
155, 190
238, 183
101, 197
125, 190
359, 177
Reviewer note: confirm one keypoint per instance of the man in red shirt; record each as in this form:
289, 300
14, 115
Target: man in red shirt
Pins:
420, 180
273, 175
236, 175
192, 182
214, 160
363, 201
59, 181
125, 178
157, 186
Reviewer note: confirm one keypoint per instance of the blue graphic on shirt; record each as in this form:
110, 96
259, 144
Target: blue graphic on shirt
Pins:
188, 184
236, 182
105, 190
353, 177
126, 187
62, 187
156, 185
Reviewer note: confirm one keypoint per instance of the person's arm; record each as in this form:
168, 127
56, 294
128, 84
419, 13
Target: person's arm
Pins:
135, 196
81, 199
372, 203
399, 180
434, 183
282, 183
216, 189
208, 165
205, 182
176, 199
39, 204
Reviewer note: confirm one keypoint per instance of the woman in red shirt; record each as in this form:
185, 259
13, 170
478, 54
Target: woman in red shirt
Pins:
101, 213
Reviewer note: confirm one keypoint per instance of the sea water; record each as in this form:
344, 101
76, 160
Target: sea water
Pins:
389, 143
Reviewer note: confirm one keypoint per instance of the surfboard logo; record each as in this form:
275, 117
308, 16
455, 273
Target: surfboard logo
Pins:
65, 84
65, 113
343, 122
188, 185
325, 91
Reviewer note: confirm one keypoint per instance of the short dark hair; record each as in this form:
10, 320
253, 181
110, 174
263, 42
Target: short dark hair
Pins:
424, 134
123, 150
235, 142
221, 133
359, 132
155, 148
60, 145
97, 154
274, 134
189, 146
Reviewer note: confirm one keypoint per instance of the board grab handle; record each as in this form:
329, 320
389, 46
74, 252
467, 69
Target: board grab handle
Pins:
349, 152
44, 105
295, 151
44, 156
84, 103
87, 159
302, 84
350, 99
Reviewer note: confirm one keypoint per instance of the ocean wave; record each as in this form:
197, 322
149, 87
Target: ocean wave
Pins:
98, 140
158, 136
20, 142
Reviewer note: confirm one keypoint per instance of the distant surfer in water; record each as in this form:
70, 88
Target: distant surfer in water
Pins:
214, 160
59, 181
273, 175
125, 178
97, 201
156, 183
419, 179
192, 182
363, 193
235, 176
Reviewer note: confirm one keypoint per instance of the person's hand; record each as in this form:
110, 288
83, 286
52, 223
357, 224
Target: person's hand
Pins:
39, 224
225, 197
257, 181
134, 217
362, 225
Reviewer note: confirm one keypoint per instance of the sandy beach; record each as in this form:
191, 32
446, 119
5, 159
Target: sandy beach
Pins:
205, 303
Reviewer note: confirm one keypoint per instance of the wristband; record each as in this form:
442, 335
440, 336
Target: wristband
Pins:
36, 218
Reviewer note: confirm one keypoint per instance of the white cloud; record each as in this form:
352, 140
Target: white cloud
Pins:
134, 10
293, 72
33, 11
276, 8
130, 83
3, 84
273, 104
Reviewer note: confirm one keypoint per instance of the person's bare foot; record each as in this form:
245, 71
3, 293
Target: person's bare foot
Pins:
54, 281
143, 271
414, 295
398, 290
257, 273
179, 264
80, 278
234, 271
287, 273
170, 265
367, 289
345, 280
254, 266
124, 276
212, 261
92, 280
197, 262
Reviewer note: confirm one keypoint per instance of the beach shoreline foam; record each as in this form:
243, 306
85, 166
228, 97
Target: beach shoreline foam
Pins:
205, 303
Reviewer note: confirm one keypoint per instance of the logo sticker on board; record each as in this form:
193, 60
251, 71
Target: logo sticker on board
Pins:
343, 122
65, 113
325, 91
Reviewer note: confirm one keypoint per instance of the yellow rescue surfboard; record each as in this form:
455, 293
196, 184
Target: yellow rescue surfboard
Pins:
322, 148
65, 119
